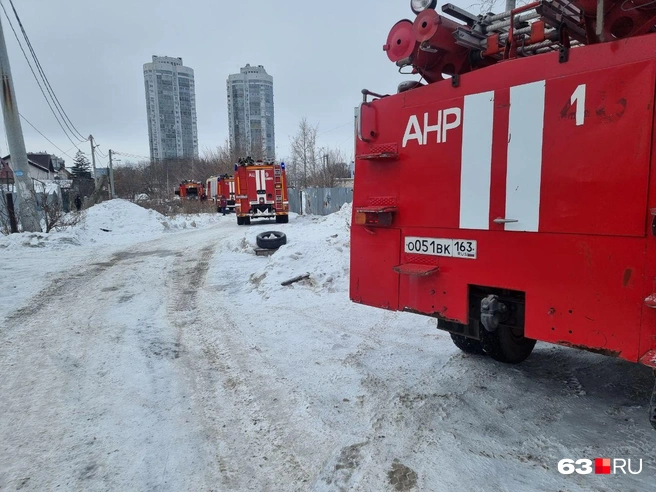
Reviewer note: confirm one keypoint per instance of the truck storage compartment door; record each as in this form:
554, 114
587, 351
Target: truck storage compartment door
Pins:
595, 152
374, 254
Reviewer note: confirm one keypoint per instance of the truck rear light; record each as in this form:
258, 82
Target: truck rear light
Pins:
361, 218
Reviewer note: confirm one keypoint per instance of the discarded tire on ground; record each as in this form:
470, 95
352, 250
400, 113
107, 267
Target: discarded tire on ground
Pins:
271, 239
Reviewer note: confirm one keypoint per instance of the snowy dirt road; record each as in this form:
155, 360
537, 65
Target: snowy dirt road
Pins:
176, 361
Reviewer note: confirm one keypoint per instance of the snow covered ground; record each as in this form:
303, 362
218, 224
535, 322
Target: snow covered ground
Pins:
139, 352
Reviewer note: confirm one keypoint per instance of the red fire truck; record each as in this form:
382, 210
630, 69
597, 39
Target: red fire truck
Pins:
212, 187
222, 185
190, 190
227, 189
260, 191
512, 193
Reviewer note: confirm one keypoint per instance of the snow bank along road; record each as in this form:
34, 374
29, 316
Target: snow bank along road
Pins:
154, 357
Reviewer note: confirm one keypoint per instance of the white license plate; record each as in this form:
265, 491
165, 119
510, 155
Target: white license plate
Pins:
456, 248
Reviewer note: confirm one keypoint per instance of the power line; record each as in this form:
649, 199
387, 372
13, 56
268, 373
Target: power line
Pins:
65, 116
46, 82
35, 76
336, 128
58, 106
50, 90
39, 132
72, 149
134, 156
104, 156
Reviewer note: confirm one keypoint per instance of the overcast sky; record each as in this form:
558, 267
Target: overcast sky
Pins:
320, 54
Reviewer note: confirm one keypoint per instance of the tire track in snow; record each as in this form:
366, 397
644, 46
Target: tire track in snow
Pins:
93, 382
250, 417
76, 281
264, 426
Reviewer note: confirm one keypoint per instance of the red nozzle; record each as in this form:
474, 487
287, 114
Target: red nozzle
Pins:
401, 41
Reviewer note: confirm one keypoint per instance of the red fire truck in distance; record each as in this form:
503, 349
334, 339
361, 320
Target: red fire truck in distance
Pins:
222, 185
227, 189
260, 191
212, 187
512, 194
191, 190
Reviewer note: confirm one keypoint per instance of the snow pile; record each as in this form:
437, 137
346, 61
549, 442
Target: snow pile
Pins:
117, 222
315, 245
191, 221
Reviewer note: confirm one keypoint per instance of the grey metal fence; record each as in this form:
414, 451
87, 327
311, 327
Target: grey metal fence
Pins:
319, 201
295, 200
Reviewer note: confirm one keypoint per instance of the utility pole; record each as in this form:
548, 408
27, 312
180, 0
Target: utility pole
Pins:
111, 176
93, 159
25, 196
510, 5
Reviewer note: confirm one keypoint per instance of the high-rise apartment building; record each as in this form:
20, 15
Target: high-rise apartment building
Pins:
171, 106
250, 113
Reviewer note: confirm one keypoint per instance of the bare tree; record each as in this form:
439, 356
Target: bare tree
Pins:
220, 160
159, 179
54, 216
303, 154
333, 167
128, 181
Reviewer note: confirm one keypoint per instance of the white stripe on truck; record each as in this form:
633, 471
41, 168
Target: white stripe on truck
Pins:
475, 178
524, 172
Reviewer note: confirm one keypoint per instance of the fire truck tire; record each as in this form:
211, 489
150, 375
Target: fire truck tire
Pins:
271, 239
282, 219
505, 346
240, 221
247, 221
468, 345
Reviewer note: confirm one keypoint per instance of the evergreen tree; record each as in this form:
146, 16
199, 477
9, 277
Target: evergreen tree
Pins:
81, 167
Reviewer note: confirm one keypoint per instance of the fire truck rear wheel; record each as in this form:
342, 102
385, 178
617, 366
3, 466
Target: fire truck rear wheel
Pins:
468, 345
282, 219
240, 220
506, 345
